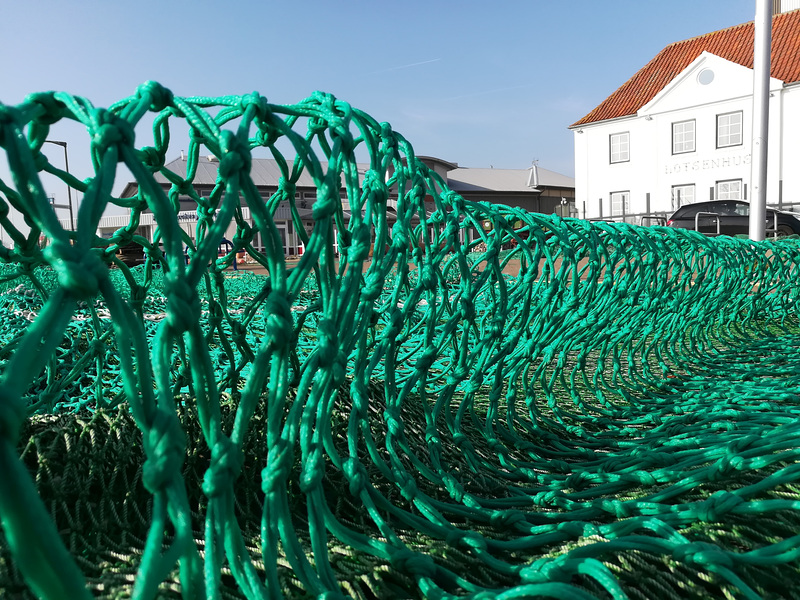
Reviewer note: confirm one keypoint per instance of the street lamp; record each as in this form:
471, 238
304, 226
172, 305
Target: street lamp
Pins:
69, 192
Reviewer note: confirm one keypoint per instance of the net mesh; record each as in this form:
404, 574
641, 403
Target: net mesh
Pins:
464, 400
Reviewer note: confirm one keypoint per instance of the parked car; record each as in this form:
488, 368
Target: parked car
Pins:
730, 217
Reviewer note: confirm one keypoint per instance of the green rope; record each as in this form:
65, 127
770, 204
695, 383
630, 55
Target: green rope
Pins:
545, 407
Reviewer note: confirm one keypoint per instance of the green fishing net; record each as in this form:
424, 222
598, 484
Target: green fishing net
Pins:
439, 399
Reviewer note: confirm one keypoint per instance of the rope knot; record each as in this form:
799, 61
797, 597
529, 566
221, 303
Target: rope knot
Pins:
743, 443
577, 481
235, 157
374, 182
356, 475
278, 321
545, 570
373, 286
79, 274
412, 563
257, 102
165, 444
313, 470
718, 504
454, 489
727, 465
400, 238
52, 110
152, 158
703, 554
467, 308
461, 440
427, 278
407, 485
506, 518
455, 200
183, 304
330, 354
388, 138
428, 357
277, 467
157, 96
393, 424
359, 247
226, 464
544, 498
325, 205
432, 435
112, 131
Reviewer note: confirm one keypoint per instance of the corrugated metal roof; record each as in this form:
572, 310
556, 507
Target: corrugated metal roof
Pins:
265, 172
734, 44
503, 180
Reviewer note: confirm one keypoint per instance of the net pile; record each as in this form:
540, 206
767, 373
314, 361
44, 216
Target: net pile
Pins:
494, 404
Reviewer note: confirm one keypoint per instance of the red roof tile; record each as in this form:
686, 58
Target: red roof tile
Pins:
734, 44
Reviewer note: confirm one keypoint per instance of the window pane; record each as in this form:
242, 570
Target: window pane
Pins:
619, 143
729, 129
682, 195
683, 137
729, 190
620, 203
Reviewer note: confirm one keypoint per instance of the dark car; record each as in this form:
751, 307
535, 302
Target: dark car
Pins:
730, 217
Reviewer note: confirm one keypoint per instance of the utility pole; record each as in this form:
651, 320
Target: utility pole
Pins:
69, 190
761, 74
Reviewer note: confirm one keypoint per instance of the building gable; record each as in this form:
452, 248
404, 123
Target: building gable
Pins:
707, 80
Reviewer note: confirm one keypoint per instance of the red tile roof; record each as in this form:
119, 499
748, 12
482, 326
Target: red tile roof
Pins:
734, 44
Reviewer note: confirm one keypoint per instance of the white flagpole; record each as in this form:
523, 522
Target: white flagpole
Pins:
761, 73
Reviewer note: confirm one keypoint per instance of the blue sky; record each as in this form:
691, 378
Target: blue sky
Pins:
474, 82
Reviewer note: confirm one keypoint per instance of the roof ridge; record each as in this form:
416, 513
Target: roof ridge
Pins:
708, 34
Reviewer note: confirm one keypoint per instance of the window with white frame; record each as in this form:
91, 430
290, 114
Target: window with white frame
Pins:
728, 190
683, 137
729, 129
682, 195
620, 147
620, 203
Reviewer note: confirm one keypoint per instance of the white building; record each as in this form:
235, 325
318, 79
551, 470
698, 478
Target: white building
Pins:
680, 130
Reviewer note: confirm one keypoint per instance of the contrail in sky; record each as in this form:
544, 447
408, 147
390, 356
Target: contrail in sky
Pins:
416, 64
494, 91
